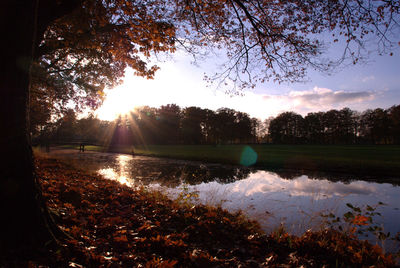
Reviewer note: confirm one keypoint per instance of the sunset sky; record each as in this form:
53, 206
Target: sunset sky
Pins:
359, 87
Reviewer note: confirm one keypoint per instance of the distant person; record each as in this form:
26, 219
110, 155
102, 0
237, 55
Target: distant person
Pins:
82, 147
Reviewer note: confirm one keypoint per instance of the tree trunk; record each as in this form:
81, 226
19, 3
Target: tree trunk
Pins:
23, 223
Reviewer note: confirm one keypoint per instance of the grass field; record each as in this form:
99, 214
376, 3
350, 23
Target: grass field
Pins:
376, 160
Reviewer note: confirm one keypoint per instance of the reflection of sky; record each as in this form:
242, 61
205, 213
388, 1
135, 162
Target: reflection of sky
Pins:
296, 203
271, 200
264, 182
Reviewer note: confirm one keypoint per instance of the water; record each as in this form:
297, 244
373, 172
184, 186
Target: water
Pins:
290, 199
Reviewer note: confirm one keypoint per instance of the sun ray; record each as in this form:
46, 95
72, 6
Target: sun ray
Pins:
136, 132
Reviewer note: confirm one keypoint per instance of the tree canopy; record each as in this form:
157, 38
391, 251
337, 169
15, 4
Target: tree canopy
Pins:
86, 49
72, 49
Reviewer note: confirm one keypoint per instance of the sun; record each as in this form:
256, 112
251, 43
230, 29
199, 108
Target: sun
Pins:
132, 93
118, 101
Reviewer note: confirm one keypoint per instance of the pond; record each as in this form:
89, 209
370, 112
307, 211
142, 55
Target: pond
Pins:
291, 199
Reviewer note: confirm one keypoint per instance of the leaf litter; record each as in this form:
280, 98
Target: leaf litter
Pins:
113, 225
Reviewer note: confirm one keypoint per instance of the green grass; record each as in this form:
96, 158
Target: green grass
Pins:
375, 160
366, 159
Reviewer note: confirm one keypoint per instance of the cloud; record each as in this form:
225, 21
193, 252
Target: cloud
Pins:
316, 99
324, 98
182, 88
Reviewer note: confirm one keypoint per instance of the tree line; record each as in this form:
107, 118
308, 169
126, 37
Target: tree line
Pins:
378, 126
70, 50
171, 124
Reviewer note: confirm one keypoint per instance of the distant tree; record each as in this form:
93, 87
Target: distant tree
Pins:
209, 127
257, 130
89, 129
266, 124
331, 123
193, 122
287, 127
375, 126
314, 127
66, 127
394, 117
121, 133
169, 117
347, 126
225, 125
148, 125
366, 124
243, 131
72, 49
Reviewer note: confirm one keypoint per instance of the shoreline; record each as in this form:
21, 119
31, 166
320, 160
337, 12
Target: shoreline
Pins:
379, 163
110, 224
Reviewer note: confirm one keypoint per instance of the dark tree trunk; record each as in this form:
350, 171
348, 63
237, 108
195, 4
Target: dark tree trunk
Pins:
23, 224
24, 217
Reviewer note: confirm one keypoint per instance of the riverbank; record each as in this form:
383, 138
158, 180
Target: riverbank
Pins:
110, 224
360, 160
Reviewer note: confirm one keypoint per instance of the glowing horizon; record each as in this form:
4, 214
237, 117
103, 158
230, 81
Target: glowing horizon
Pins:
181, 83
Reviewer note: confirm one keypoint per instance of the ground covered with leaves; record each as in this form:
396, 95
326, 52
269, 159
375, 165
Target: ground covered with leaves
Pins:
111, 225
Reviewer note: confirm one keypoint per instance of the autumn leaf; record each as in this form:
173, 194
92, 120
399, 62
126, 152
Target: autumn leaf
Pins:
360, 220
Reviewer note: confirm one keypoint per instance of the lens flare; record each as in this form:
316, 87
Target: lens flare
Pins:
248, 156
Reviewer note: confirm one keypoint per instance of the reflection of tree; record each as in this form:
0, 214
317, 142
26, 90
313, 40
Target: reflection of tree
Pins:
172, 175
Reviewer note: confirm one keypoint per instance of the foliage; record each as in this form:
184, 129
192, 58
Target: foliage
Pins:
71, 49
360, 221
337, 127
186, 197
165, 125
111, 224
84, 46
193, 125
81, 53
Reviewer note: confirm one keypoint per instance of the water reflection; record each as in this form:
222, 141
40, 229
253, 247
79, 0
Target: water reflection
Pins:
297, 203
172, 173
304, 186
287, 197
262, 195
119, 173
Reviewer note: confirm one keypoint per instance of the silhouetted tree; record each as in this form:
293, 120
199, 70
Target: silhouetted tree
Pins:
168, 124
193, 121
243, 131
394, 117
66, 127
89, 130
347, 127
314, 127
122, 134
209, 126
147, 125
375, 126
225, 125
74, 48
257, 130
287, 127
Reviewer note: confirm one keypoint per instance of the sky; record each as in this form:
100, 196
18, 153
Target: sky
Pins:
374, 84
